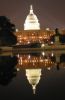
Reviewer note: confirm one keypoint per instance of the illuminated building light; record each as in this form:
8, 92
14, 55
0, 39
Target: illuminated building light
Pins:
18, 69
48, 68
41, 60
43, 53
28, 42
20, 41
47, 29
29, 56
51, 42
52, 54
42, 45
46, 60
17, 30
18, 55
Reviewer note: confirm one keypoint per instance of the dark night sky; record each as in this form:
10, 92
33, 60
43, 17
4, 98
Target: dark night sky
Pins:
51, 13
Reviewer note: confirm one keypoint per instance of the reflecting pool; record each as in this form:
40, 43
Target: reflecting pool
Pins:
32, 75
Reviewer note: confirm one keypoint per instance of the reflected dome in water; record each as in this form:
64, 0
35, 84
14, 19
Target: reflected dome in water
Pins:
33, 76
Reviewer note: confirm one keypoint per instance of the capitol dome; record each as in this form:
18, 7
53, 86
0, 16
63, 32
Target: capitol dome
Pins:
31, 22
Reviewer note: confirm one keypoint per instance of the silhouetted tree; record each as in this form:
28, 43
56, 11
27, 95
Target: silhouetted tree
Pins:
7, 69
7, 30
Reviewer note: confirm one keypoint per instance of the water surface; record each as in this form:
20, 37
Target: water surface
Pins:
13, 79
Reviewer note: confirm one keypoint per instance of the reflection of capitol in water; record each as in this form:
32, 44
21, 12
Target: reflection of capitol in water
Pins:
34, 63
33, 66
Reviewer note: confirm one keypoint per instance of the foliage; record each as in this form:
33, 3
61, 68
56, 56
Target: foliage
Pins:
7, 30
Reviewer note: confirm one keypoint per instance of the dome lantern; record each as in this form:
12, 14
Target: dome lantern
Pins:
31, 9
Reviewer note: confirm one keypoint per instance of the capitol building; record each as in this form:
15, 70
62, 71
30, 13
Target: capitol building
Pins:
32, 31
